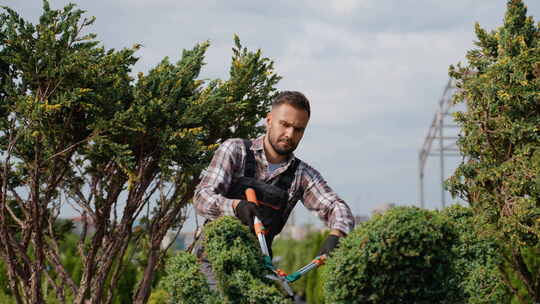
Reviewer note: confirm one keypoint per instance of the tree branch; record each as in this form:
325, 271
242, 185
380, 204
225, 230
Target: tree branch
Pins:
508, 284
523, 270
53, 257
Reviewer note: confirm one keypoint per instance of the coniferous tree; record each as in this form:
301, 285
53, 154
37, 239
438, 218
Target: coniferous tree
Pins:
77, 129
500, 176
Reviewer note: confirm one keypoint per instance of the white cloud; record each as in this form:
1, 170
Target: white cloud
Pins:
339, 7
374, 70
353, 75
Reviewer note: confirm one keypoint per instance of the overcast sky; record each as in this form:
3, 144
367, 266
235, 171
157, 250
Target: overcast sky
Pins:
373, 70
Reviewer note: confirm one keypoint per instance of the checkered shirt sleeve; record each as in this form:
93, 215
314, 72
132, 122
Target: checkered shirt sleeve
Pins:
318, 197
209, 198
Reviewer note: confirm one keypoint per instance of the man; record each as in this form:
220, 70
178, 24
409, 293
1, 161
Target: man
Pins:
270, 159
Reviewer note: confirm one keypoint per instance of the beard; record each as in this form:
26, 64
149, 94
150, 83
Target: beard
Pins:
281, 151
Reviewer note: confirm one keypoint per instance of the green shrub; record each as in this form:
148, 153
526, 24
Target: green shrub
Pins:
159, 296
235, 256
402, 256
477, 258
185, 282
237, 262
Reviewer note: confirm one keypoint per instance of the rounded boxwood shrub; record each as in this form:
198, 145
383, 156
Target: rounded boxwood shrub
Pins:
184, 281
237, 262
402, 256
235, 256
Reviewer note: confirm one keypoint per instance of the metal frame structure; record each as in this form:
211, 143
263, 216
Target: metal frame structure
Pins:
446, 141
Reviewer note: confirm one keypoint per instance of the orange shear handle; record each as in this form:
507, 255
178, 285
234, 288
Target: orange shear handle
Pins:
251, 196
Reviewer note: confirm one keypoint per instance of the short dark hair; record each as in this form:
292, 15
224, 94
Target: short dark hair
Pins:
293, 98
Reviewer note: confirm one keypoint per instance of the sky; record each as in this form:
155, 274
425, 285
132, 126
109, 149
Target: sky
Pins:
373, 70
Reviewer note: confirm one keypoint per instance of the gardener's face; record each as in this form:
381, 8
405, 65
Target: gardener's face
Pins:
285, 126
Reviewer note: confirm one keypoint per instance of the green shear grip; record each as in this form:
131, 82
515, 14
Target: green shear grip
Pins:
293, 276
268, 262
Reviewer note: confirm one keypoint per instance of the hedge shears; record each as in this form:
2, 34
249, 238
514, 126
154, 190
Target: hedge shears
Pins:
278, 275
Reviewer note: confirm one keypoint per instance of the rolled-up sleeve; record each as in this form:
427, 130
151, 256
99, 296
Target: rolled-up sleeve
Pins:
320, 198
209, 198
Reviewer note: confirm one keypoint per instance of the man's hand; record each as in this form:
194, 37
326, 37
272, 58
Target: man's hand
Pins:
329, 244
246, 212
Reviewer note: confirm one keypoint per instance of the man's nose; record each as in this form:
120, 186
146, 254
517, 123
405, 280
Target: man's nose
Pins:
289, 132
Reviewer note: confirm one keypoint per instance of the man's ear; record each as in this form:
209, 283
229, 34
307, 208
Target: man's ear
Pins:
268, 118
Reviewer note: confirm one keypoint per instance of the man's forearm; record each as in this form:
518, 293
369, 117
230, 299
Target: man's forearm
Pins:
212, 205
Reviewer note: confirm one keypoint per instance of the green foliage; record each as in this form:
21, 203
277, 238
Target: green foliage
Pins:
5, 292
159, 296
513, 279
127, 283
295, 254
477, 258
500, 140
230, 246
237, 262
5, 299
401, 256
185, 282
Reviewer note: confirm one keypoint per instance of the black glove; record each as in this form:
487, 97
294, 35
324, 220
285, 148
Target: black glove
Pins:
245, 212
329, 244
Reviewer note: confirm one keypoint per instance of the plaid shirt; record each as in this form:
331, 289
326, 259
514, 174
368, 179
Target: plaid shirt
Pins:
308, 185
